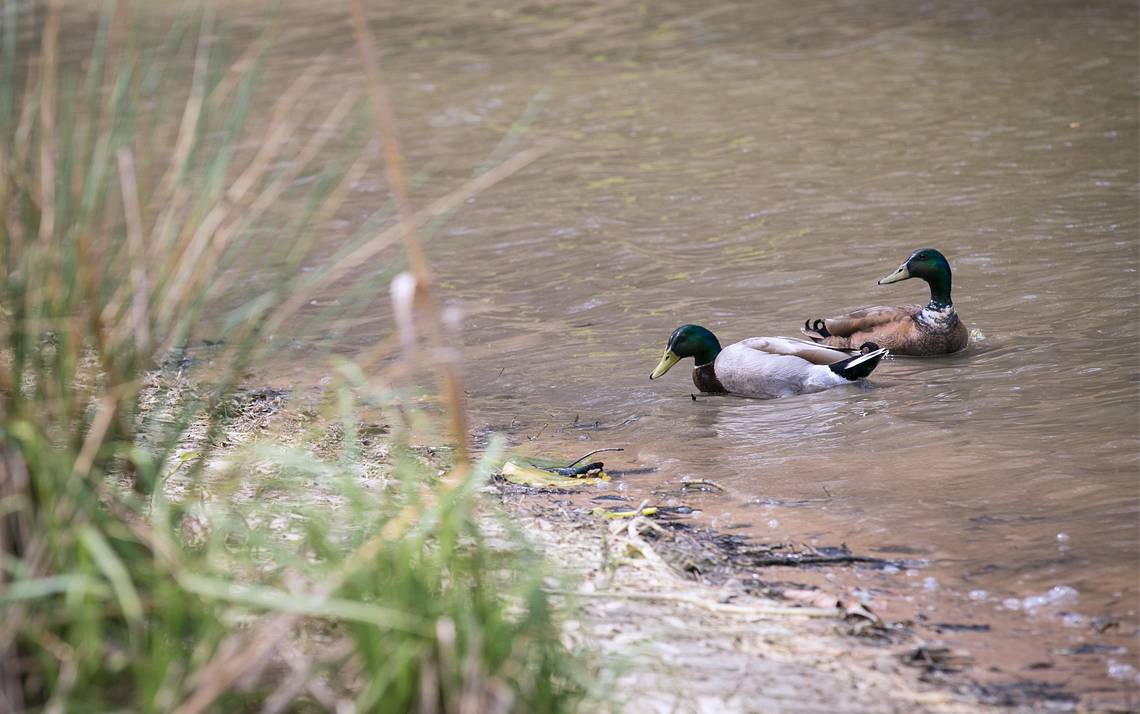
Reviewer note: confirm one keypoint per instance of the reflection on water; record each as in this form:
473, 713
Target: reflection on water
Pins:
754, 164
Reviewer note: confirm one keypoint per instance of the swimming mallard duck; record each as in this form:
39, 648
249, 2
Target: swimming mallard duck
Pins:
763, 367
906, 329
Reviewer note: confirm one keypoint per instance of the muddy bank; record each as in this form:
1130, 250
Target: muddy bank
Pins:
724, 640
711, 621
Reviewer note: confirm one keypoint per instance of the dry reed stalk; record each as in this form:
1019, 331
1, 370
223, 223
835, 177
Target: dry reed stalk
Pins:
224, 672
47, 121
389, 236
192, 111
259, 205
253, 208
17, 535
304, 678
192, 269
140, 292
172, 194
280, 124
238, 70
451, 380
48, 99
23, 134
108, 407
326, 131
328, 208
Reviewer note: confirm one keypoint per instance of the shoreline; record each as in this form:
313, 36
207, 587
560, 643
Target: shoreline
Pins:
839, 653
686, 644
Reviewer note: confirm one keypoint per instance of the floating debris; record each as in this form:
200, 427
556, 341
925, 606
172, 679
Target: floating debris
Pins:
701, 484
960, 627
548, 473
1103, 624
797, 555
688, 486
937, 657
1094, 648
528, 474
624, 513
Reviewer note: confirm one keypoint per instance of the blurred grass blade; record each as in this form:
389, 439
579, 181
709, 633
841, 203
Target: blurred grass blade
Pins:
300, 604
116, 573
35, 589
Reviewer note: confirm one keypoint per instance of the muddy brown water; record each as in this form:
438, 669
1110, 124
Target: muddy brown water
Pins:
747, 166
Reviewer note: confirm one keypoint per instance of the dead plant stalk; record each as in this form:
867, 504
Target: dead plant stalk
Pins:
451, 381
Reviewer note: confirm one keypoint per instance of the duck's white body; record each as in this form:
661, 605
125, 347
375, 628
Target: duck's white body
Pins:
768, 367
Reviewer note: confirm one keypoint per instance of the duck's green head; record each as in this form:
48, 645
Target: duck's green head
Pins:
688, 341
929, 265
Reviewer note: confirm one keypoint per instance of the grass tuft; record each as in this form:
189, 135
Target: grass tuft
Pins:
141, 568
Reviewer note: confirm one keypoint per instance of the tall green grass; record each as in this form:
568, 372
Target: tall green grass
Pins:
129, 204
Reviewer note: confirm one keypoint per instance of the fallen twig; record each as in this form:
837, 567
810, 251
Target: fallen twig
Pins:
595, 451
640, 543
798, 559
702, 482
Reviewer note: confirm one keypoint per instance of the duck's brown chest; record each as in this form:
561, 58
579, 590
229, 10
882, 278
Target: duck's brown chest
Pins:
705, 379
935, 334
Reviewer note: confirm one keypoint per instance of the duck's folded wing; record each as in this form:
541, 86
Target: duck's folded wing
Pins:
750, 369
809, 351
864, 320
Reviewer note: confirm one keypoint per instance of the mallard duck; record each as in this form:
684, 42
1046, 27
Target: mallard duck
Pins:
763, 367
933, 329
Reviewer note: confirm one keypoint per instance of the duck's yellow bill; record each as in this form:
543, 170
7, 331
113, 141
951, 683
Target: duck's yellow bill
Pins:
668, 359
901, 274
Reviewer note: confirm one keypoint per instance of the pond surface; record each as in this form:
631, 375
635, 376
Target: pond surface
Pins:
750, 165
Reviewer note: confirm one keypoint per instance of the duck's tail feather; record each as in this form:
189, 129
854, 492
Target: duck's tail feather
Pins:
816, 330
859, 366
